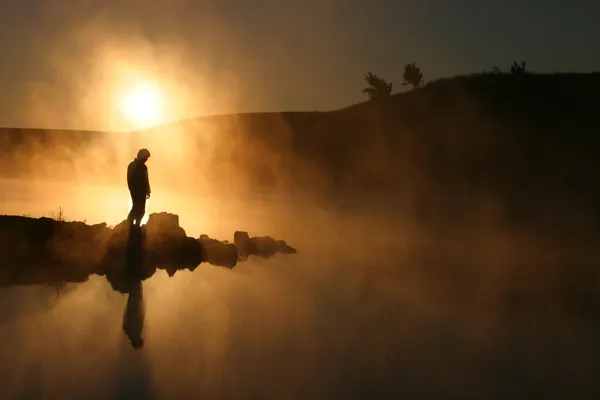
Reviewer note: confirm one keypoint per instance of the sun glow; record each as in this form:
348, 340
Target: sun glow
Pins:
142, 105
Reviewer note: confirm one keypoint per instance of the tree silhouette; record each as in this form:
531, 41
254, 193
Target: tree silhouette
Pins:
412, 76
378, 87
518, 69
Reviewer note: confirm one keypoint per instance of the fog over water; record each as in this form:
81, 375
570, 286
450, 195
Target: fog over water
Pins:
363, 310
446, 236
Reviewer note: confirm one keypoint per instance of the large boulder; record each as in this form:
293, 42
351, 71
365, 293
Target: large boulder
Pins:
136, 253
167, 245
216, 252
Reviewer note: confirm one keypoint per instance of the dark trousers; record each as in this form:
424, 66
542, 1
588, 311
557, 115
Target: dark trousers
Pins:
138, 208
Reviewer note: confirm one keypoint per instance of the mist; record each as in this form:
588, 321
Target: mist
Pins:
414, 274
377, 303
368, 307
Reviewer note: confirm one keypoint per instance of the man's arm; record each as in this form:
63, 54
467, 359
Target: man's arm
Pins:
148, 191
129, 172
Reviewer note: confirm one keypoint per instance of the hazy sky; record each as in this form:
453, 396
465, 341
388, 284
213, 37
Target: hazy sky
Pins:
62, 60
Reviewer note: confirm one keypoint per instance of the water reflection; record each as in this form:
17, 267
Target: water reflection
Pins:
57, 253
133, 318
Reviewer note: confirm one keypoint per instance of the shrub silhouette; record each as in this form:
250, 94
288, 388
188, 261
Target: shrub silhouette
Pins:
518, 69
57, 215
378, 87
412, 76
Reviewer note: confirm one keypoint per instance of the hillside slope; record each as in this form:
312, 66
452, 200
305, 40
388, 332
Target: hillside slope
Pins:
528, 142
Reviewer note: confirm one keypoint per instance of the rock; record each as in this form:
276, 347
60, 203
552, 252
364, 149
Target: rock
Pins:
261, 246
54, 253
218, 253
41, 250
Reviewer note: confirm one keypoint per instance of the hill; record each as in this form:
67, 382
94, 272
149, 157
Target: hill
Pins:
525, 145
527, 142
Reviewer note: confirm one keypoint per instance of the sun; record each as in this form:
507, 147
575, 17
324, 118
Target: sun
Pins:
142, 105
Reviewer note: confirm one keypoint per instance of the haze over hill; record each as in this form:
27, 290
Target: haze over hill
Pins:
502, 137
448, 242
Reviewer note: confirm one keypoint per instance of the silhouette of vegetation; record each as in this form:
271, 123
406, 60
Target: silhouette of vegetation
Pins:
518, 68
57, 215
378, 87
412, 76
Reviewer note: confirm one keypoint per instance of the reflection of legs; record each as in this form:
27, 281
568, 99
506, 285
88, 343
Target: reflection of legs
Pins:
138, 209
133, 318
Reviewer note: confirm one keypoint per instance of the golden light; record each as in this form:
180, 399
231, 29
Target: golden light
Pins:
142, 105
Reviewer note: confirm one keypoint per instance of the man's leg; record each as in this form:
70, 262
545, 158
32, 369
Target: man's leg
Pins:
131, 215
138, 209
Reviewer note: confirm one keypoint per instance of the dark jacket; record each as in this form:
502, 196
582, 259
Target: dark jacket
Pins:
137, 178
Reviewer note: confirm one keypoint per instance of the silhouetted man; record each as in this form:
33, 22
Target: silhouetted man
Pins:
139, 186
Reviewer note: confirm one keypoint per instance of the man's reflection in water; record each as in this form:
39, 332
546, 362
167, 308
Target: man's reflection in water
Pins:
133, 318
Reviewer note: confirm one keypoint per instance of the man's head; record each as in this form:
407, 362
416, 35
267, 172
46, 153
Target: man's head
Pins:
143, 155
